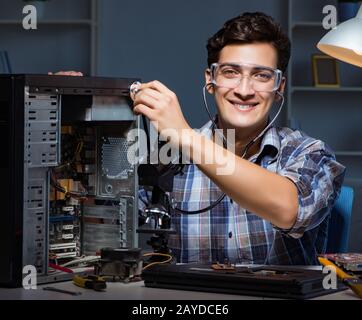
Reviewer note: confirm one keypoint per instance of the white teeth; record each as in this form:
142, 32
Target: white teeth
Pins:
244, 107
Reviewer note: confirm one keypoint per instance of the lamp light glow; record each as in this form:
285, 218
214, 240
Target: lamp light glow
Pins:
345, 41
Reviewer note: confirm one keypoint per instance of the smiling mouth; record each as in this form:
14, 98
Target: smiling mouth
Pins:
244, 107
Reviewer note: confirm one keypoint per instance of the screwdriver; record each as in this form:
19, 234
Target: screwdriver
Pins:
73, 293
351, 281
94, 282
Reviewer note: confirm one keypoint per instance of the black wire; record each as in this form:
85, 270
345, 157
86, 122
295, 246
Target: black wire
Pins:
179, 169
214, 204
145, 126
211, 206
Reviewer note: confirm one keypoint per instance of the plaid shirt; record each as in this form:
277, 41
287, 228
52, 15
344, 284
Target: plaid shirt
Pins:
229, 231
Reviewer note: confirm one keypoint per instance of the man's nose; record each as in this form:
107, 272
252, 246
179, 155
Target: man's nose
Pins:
245, 87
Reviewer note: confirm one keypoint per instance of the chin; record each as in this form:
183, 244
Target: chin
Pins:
240, 121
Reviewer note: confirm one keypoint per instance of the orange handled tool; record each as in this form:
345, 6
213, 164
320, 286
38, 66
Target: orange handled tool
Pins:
351, 281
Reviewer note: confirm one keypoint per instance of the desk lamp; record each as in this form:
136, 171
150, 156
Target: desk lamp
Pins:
344, 42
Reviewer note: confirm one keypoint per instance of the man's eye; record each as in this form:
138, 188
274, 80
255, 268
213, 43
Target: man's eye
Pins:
263, 76
230, 72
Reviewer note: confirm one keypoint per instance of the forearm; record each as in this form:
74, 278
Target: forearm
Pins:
256, 189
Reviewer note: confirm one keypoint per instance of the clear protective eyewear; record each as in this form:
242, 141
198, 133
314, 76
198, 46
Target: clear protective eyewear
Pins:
261, 78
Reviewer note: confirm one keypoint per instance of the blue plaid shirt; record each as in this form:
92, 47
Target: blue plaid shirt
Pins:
230, 231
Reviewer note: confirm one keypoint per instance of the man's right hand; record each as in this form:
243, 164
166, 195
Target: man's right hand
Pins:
66, 73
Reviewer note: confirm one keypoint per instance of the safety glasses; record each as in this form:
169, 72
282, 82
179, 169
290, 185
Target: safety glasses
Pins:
260, 78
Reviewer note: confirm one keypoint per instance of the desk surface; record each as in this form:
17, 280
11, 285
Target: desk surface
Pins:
135, 291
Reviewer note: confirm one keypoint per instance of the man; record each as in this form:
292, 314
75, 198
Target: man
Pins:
283, 183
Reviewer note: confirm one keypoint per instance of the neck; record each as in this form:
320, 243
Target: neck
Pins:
243, 137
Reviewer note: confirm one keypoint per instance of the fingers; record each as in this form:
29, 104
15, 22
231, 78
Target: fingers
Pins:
158, 86
156, 97
154, 92
67, 73
149, 97
145, 110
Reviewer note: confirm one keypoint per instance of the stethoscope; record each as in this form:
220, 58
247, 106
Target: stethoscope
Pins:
246, 148
134, 88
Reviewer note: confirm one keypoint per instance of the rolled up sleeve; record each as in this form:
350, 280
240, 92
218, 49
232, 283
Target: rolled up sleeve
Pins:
312, 167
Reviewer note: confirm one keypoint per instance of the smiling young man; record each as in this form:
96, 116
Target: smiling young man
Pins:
283, 183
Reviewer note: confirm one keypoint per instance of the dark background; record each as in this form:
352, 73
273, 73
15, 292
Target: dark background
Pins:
166, 39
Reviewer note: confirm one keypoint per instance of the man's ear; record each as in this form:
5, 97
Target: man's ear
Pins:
209, 85
281, 89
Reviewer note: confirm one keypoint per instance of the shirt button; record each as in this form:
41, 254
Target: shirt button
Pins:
230, 234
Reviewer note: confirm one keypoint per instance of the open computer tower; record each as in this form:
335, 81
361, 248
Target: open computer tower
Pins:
68, 186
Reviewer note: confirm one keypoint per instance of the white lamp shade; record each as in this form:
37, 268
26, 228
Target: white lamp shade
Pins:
344, 42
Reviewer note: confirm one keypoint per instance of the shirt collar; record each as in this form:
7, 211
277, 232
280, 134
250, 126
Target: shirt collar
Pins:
270, 143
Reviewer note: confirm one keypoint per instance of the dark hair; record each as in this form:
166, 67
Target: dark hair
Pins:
250, 27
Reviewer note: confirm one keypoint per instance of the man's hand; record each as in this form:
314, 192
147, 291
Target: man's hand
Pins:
66, 73
160, 105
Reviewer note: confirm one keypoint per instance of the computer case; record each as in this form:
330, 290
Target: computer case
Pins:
68, 187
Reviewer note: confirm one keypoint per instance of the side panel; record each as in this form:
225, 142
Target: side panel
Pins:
11, 175
42, 150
